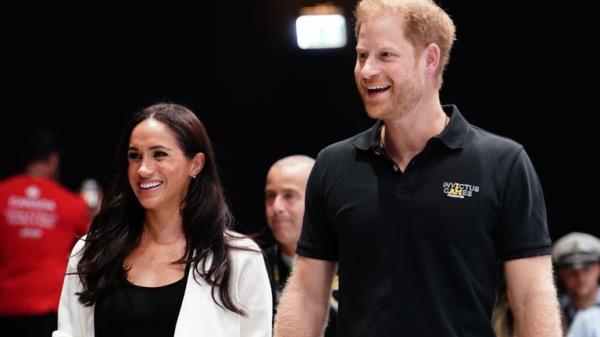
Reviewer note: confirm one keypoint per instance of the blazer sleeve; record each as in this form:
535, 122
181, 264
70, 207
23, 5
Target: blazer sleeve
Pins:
74, 320
254, 294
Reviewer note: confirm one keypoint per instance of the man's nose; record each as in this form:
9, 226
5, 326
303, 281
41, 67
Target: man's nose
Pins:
278, 203
369, 68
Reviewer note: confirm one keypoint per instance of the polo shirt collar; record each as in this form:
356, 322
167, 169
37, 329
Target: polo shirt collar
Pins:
454, 135
369, 139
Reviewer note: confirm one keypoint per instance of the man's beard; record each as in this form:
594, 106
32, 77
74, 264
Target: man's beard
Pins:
403, 99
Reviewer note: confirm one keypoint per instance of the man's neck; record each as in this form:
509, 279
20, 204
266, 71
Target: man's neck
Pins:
39, 171
406, 136
289, 250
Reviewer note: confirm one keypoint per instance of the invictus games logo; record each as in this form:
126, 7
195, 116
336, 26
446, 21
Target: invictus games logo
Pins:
459, 190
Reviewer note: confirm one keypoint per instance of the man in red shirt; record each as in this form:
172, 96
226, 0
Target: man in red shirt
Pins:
39, 222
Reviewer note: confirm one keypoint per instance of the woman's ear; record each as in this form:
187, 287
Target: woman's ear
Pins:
197, 164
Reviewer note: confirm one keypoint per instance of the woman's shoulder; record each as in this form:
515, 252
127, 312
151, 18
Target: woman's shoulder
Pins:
76, 252
78, 247
247, 259
241, 242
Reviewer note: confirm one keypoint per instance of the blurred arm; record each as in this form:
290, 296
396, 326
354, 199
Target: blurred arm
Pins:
304, 305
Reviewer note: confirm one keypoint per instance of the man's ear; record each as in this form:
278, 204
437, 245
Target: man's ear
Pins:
432, 58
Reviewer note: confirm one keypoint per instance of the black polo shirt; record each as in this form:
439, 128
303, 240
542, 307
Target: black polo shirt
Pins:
419, 251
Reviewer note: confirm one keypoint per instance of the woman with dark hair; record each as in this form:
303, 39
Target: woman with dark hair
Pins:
160, 259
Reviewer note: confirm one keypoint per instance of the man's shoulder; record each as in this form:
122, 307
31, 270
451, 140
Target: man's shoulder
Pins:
38, 186
68, 199
461, 131
491, 143
12, 182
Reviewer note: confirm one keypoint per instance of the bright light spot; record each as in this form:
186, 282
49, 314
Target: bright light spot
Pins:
321, 31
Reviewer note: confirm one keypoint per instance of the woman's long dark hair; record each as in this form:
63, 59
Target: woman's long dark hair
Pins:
117, 229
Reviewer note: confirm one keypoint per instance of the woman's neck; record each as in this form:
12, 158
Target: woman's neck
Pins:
163, 227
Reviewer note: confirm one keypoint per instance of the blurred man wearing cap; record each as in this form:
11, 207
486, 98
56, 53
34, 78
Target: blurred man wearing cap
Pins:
577, 257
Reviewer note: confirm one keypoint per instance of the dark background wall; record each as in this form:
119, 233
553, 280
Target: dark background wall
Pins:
525, 70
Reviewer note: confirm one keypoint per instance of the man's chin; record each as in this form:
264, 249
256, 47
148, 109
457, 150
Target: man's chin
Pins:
375, 111
283, 239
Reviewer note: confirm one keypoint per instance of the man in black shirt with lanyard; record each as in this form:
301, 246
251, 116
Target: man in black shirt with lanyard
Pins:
421, 211
284, 207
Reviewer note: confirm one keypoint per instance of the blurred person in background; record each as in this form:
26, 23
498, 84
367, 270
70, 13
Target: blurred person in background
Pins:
91, 192
577, 260
586, 323
40, 220
284, 208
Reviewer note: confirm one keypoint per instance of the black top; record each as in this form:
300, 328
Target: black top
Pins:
278, 270
419, 251
139, 311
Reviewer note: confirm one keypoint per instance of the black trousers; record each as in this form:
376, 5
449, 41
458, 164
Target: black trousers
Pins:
29, 326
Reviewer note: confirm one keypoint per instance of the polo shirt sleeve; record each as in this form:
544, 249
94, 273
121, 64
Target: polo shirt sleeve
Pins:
523, 227
318, 239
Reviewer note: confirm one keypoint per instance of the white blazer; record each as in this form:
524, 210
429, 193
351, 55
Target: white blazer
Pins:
199, 315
